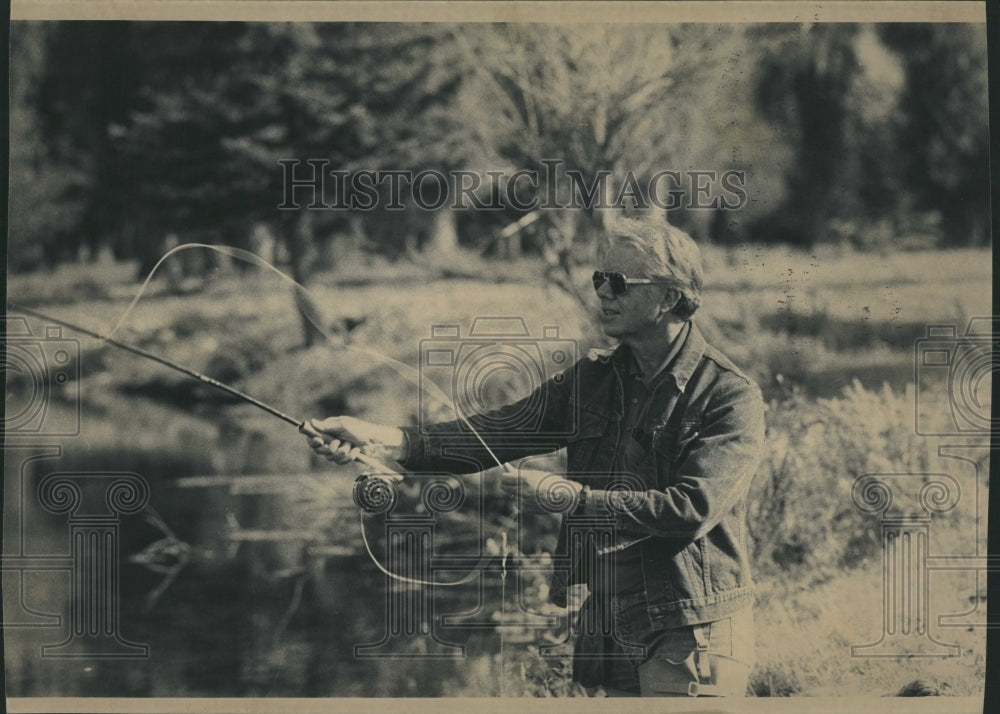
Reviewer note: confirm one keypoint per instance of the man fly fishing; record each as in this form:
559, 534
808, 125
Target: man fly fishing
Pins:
666, 436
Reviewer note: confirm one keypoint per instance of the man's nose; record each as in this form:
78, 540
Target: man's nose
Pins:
605, 292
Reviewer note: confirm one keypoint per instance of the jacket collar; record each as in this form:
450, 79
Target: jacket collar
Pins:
681, 368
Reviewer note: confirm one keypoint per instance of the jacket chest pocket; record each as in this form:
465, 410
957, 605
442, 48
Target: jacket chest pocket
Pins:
587, 448
670, 445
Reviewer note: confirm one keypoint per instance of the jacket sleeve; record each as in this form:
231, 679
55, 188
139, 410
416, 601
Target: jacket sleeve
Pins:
713, 473
539, 423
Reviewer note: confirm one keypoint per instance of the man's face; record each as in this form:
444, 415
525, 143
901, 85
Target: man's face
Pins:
636, 314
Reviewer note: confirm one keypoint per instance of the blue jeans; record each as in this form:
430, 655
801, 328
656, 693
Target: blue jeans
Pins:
613, 654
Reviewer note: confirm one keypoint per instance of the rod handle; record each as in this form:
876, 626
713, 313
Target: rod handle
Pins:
369, 461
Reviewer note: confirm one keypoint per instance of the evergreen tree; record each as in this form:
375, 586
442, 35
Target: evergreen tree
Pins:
221, 105
85, 82
806, 79
941, 127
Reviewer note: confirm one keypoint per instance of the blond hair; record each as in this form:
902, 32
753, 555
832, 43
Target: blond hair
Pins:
670, 254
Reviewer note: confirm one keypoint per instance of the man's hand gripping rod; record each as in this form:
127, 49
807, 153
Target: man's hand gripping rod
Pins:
374, 491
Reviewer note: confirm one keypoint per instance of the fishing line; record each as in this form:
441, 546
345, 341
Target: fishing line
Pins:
503, 601
403, 370
408, 373
472, 575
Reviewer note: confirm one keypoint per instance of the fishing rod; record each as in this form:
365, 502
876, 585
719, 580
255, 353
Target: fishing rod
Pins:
373, 492
300, 424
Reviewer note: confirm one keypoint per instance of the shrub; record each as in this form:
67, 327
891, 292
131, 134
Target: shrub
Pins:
801, 514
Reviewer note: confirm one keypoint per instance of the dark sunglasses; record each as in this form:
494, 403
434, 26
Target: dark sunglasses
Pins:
618, 282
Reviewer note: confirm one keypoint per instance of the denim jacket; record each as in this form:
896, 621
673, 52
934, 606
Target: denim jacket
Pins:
685, 505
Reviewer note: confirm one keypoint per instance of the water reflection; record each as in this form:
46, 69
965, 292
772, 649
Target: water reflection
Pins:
248, 616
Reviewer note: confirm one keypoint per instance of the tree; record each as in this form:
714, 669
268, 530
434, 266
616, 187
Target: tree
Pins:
222, 104
84, 81
409, 76
941, 127
41, 213
205, 112
806, 77
605, 103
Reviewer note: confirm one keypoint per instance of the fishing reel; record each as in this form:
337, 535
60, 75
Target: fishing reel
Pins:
375, 492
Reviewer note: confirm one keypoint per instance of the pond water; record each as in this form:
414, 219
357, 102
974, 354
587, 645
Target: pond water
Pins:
237, 590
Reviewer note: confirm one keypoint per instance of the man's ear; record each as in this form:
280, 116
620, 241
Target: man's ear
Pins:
670, 299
